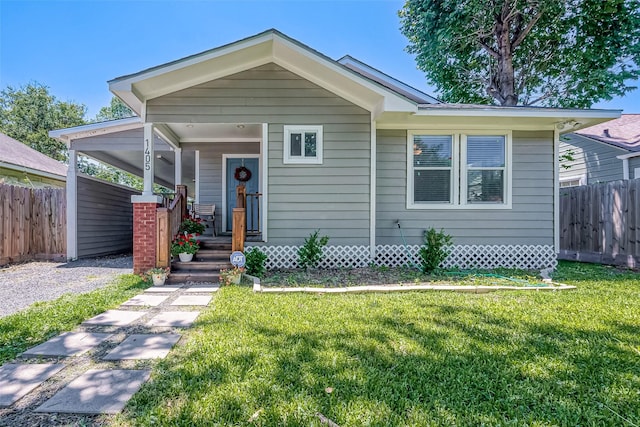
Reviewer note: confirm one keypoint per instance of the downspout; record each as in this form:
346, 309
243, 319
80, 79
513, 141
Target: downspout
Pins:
556, 190
72, 206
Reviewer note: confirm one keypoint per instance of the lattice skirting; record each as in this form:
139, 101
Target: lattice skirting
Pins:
528, 257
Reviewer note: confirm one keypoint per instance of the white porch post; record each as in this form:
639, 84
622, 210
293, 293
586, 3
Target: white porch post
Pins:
197, 174
72, 206
149, 157
178, 166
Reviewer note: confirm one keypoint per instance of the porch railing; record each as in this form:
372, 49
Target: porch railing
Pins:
253, 213
167, 225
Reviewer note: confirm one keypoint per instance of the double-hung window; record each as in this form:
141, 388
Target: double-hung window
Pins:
458, 170
303, 145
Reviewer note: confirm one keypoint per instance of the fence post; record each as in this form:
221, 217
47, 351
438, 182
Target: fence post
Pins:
238, 229
163, 239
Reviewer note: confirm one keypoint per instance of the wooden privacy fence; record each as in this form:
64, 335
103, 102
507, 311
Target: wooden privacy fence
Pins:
601, 223
32, 224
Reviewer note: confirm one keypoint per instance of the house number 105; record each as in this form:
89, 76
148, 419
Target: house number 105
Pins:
147, 155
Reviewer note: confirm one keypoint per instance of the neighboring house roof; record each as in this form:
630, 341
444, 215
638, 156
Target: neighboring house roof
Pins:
18, 156
623, 132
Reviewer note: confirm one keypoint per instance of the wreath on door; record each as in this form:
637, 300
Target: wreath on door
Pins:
242, 174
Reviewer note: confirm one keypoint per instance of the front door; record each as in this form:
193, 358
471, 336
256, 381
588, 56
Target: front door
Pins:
251, 164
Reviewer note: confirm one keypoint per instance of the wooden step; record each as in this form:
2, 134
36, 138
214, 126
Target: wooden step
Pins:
189, 276
200, 265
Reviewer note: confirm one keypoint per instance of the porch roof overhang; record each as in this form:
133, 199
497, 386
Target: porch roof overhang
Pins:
119, 143
472, 116
268, 47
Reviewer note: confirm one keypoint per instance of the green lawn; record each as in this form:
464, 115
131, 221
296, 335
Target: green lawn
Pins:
432, 358
44, 320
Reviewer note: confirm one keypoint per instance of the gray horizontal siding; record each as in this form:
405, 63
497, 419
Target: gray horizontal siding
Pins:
211, 190
597, 160
104, 218
634, 163
529, 222
333, 197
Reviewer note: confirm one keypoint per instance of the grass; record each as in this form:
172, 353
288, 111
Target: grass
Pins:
44, 320
415, 359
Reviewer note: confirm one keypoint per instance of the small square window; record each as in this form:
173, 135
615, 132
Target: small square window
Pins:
303, 145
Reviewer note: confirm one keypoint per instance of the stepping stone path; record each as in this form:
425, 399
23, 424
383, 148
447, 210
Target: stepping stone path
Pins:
101, 391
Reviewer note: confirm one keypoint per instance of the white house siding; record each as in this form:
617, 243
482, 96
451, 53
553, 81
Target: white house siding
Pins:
332, 197
529, 222
594, 159
105, 218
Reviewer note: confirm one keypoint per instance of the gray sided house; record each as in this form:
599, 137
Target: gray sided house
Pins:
605, 152
341, 147
24, 166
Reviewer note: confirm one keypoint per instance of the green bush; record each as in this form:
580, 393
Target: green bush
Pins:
255, 260
310, 253
436, 248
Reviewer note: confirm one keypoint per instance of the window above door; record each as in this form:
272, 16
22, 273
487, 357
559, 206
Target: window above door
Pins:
302, 145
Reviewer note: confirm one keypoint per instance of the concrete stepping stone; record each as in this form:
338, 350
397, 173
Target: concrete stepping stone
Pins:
98, 391
192, 300
16, 380
203, 288
144, 346
115, 318
68, 344
160, 289
178, 319
146, 300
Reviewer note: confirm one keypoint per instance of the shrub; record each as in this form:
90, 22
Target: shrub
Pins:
436, 248
255, 260
310, 253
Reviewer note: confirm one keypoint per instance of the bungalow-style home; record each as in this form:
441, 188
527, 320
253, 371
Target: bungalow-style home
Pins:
605, 152
24, 166
334, 145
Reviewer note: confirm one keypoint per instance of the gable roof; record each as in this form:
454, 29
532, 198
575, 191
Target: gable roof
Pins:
18, 156
270, 46
623, 132
387, 81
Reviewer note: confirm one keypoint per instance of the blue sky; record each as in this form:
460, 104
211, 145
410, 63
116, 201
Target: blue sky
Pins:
74, 47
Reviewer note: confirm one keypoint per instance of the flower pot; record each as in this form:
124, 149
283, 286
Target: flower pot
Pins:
185, 257
235, 279
158, 279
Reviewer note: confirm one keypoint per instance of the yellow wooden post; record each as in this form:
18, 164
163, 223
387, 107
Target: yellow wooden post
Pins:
163, 238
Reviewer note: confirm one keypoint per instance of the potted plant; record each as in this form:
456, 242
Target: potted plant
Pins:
184, 246
192, 226
158, 275
231, 276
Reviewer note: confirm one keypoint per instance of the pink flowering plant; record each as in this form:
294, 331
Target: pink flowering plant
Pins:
184, 244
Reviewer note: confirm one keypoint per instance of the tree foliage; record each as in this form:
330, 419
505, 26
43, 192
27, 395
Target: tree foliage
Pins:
28, 113
116, 110
559, 53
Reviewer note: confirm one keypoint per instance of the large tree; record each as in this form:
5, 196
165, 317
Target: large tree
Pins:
560, 53
28, 114
116, 110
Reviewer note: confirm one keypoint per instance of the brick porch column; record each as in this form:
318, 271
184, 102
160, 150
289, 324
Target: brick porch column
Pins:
144, 233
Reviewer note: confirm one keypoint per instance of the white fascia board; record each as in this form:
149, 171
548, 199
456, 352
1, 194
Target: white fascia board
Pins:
32, 171
93, 129
564, 114
628, 156
167, 134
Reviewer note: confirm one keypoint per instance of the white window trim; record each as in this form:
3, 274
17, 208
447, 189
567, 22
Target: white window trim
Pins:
460, 171
582, 179
288, 130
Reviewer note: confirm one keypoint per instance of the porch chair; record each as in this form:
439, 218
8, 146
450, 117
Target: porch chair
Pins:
204, 211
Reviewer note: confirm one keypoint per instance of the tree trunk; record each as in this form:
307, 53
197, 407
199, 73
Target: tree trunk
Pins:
505, 75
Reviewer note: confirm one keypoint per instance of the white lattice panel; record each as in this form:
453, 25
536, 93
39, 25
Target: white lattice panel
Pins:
528, 257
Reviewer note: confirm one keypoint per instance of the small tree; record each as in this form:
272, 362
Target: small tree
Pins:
311, 252
436, 248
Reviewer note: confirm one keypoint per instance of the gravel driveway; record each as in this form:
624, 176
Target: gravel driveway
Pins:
23, 284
